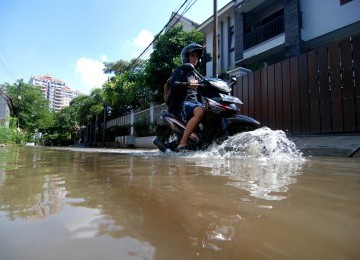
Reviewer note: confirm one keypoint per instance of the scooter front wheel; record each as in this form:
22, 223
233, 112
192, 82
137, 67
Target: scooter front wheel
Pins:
220, 139
159, 145
168, 140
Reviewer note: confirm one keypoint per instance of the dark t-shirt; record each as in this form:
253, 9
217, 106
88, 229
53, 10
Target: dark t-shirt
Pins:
179, 91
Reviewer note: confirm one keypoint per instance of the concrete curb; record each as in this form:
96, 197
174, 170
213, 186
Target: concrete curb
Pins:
309, 145
328, 145
341, 145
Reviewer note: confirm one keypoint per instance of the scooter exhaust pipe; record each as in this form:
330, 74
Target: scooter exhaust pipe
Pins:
159, 145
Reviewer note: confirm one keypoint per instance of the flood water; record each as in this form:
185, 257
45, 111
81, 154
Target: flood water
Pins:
262, 200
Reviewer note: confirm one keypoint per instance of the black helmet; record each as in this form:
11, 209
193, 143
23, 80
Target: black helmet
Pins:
192, 47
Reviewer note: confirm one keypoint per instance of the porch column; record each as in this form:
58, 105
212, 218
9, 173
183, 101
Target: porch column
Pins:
153, 112
132, 120
239, 34
292, 24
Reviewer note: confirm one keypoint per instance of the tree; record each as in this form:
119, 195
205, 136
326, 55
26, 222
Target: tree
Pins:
137, 82
121, 66
65, 125
128, 90
32, 109
166, 57
116, 67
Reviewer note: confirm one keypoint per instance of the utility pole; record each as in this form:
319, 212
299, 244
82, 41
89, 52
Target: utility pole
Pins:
19, 106
215, 41
104, 125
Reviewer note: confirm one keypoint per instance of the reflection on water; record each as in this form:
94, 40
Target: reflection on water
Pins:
263, 162
266, 180
40, 195
66, 203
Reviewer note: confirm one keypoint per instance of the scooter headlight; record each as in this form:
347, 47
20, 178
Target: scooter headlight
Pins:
233, 107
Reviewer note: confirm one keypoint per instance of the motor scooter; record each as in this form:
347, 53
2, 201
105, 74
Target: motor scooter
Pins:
222, 118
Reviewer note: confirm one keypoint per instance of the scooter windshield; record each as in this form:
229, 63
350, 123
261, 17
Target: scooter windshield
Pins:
219, 84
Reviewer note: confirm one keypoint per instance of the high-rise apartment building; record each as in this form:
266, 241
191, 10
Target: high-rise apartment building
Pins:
55, 91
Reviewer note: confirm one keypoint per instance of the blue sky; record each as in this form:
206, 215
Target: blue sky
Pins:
70, 39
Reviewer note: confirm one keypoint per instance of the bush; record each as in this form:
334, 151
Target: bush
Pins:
143, 127
5, 135
115, 131
11, 136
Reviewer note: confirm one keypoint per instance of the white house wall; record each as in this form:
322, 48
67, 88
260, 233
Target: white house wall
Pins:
227, 59
320, 17
265, 46
4, 112
209, 49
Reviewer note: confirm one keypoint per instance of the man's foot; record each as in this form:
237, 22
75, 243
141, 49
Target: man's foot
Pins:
183, 149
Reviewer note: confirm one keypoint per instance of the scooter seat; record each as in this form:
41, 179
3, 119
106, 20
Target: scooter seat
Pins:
167, 113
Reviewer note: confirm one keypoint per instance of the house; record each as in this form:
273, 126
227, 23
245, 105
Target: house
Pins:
226, 39
257, 33
186, 23
5, 109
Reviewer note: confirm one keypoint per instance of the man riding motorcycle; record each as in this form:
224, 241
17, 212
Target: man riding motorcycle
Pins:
212, 105
184, 100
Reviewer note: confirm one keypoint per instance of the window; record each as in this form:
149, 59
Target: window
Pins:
342, 2
231, 38
219, 46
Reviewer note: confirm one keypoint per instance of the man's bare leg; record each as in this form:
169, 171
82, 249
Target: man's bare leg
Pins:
199, 113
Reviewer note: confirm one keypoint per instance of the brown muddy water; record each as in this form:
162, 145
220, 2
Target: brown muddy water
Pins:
83, 203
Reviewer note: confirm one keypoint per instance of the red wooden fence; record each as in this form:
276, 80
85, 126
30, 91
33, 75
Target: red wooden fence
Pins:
316, 92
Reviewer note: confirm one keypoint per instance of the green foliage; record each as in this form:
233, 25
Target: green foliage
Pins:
115, 131
134, 85
254, 65
5, 135
143, 127
82, 105
18, 137
11, 136
121, 66
116, 67
127, 91
166, 57
64, 129
32, 108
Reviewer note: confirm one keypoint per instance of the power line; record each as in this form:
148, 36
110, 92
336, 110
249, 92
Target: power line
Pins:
185, 10
6, 64
166, 25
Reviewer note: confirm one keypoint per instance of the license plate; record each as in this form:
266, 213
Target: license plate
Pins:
230, 99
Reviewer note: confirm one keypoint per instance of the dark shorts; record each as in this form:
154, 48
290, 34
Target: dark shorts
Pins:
188, 110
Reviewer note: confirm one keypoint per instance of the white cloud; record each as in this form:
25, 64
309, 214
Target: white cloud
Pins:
143, 39
91, 72
104, 58
137, 45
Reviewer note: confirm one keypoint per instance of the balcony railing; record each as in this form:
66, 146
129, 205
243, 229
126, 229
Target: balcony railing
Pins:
264, 32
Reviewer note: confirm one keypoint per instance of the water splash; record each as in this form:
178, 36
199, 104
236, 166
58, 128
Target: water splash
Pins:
263, 162
262, 143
